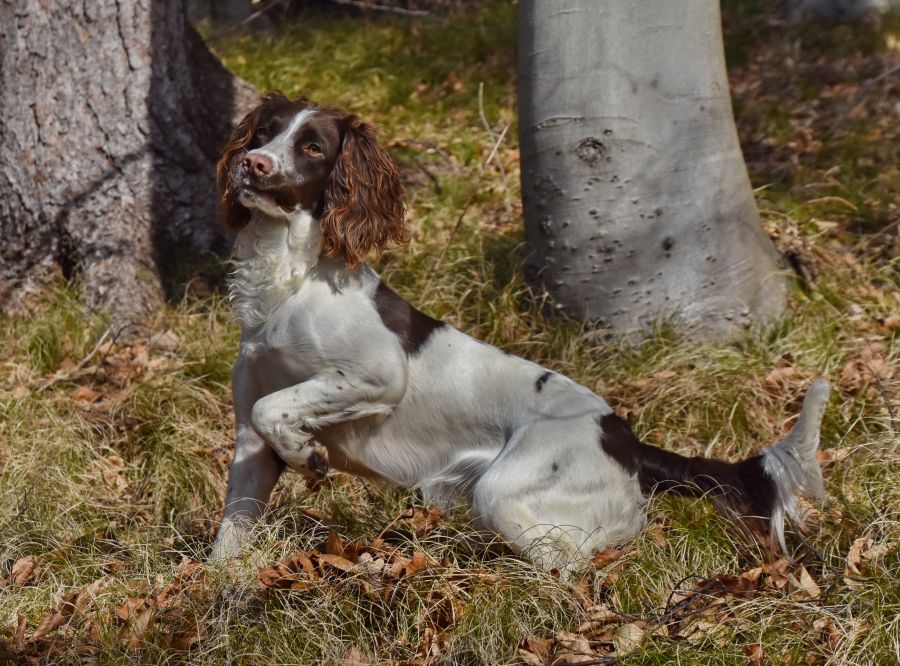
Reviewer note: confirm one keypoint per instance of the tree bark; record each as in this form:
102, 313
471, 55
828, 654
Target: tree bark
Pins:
637, 201
112, 114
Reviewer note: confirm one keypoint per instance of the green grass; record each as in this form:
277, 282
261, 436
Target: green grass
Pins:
124, 483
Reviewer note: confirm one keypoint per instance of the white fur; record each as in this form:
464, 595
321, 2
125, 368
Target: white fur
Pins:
272, 258
792, 464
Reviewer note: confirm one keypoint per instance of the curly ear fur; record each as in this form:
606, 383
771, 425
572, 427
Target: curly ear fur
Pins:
234, 214
363, 205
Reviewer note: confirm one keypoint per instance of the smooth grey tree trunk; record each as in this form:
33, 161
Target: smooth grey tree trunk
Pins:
637, 201
112, 114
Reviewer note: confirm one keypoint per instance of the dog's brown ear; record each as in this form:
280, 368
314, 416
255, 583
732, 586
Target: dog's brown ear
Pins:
234, 214
363, 205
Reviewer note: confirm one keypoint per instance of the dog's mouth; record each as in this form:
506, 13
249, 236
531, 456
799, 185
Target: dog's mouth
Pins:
256, 196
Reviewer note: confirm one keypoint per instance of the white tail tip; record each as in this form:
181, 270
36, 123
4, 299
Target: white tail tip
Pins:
791, 463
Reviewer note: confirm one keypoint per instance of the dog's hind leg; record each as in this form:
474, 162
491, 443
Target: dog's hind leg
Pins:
556, 497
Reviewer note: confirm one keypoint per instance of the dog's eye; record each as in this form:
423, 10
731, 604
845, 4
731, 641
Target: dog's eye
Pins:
314, 149
262, 134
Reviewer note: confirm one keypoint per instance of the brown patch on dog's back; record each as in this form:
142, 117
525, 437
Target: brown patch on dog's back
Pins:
412, 327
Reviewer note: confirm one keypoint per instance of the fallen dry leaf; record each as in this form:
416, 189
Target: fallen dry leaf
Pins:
656, 533
22, 570
808, 585
572, 649
606, 557
704, 629
777, 573
830, 635
188, 636
425, 520
336, 561
109, 471
138, 627
21, 628
72, 604
854, 555
131, 608
755, 656
629, 637
599, 616
530, 658
418, 562
535, 651
85, 394
778, 377
868, 367
335, 545
828, 456
353, 657
168, 341
862, 554
294, 573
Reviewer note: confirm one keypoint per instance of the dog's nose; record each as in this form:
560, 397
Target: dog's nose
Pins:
257, 165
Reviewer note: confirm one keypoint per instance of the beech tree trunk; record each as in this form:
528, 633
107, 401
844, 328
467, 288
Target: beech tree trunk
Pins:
112, 114
637, 201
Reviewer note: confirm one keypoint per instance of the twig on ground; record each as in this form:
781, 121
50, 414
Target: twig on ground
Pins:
806, 544
62, 376
493, 135
434, 179
865, 240
403, 516
864, 91
892, 417
428, 145
593, 662
115, 339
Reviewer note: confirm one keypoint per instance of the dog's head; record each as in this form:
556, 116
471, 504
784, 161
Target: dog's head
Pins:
289, 155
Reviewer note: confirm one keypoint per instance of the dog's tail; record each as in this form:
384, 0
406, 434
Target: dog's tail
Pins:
760, 489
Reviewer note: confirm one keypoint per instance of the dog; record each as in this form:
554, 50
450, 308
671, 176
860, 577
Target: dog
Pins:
335, 369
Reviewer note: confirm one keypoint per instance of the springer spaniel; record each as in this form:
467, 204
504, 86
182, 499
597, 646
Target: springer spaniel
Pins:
336, 369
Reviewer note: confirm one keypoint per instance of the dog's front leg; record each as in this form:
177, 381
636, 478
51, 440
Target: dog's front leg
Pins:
289, 418
254, 472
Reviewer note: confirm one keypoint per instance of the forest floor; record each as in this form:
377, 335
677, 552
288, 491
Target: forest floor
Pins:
113, 456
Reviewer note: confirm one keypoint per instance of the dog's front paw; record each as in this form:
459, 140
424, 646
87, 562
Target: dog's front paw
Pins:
301, 453
231, 540
311, 461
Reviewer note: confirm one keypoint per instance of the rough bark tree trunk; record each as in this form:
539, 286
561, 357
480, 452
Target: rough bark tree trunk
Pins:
637, 201
112, 113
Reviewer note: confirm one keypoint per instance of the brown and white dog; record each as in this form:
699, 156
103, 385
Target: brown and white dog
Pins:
332, 359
